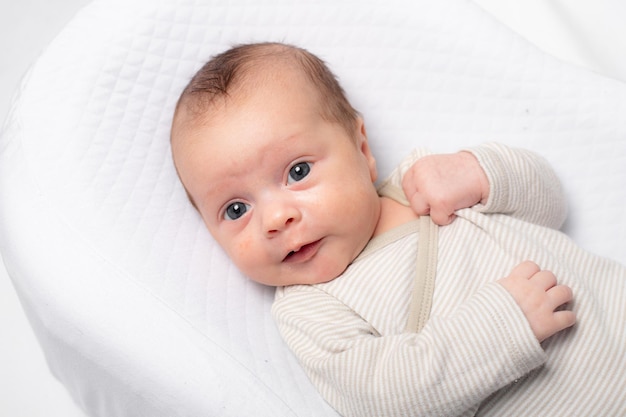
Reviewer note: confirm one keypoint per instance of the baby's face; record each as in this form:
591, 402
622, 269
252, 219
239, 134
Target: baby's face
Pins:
288, 195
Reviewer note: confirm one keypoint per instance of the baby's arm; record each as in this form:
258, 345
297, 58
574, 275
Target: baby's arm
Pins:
492, 177
505, 180
448, 368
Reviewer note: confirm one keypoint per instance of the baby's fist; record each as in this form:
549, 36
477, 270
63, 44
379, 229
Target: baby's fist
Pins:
441, 184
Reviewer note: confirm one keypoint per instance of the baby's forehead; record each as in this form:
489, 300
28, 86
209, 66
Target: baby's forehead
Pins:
280, 73
264, 79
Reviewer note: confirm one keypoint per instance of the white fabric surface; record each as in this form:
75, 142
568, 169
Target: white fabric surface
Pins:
136, 308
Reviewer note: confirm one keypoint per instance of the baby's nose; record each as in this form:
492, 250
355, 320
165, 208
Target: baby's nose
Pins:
278, 217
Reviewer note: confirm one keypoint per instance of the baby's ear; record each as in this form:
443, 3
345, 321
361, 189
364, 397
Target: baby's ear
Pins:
364, 148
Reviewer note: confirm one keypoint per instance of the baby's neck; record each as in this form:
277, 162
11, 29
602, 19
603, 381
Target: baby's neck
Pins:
392, 214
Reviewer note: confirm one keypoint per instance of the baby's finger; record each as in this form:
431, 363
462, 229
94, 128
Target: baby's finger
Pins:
560, 295
441, 217
419, 204
544, 279
564, 319
526, 269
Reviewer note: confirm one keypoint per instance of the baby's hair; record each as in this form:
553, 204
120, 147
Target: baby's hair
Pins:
224, 72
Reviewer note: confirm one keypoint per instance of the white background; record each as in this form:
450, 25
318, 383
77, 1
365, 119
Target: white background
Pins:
582, 32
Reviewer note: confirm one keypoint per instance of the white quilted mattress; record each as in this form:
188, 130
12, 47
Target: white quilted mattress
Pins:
136, 308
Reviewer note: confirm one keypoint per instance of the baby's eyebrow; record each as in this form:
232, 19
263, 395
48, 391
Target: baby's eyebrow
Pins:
215, 195
226, 187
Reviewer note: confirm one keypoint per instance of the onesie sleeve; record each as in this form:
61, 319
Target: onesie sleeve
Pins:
446, 369
522, 184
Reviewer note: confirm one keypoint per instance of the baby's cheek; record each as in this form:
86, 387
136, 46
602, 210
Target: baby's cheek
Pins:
243, 244
250, 256
243, 251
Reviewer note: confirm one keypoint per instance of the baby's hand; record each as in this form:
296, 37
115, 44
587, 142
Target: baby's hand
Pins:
441, 184
538, 295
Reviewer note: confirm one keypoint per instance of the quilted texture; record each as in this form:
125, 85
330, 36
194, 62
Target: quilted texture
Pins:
137, 309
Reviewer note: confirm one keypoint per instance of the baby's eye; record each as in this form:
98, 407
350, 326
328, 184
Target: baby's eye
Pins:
235, 210
298, 172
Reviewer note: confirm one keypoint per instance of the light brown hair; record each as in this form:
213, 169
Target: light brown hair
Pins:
225, 71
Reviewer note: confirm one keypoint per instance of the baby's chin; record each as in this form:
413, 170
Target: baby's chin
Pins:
319, 277
322, 277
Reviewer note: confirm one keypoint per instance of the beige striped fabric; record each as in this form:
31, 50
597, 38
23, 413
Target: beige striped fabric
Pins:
476, 355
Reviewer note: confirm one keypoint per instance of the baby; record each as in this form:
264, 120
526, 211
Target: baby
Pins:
278, 164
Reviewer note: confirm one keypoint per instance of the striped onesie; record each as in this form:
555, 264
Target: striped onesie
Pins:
476, 353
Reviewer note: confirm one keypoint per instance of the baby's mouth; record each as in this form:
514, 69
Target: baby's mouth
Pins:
304, 253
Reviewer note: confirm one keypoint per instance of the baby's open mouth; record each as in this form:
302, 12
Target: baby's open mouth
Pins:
305, 252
